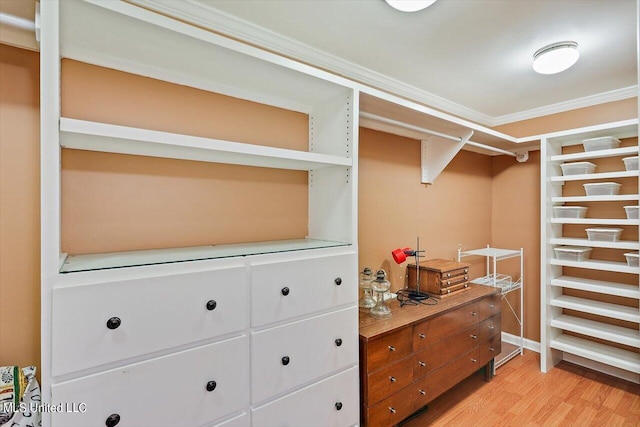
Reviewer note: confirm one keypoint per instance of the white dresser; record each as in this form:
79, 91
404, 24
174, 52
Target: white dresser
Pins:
246, 334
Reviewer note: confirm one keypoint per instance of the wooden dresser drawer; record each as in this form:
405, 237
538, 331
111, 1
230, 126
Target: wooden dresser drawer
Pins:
490, 349
388, 380
432, 330
489, 306
395, 408
389, 349
287, 289
192, 387
489, 328
290, 355
106, 322
444, 351
330, 402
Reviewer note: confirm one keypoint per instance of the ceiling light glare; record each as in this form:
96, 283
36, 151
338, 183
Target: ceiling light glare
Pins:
555, 57
410, 5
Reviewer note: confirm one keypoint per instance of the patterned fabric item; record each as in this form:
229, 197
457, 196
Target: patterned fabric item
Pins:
19, 397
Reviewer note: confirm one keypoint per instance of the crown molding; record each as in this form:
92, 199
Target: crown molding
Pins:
587, 101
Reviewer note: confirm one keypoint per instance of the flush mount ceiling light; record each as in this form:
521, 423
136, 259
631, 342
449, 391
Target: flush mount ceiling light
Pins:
410, 5
555, 57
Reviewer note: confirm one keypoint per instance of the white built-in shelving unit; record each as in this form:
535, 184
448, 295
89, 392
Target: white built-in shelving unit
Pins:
587, 329
507, 284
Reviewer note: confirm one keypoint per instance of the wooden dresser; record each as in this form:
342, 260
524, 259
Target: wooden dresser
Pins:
421, 351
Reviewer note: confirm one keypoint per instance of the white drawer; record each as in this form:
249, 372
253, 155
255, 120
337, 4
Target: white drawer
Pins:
282, 290
291, 355
332, 402
154, 313
167, 391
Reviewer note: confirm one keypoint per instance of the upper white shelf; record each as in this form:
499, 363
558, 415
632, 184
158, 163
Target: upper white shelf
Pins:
499, 254
598, 286
619, 267
619, 244
89, 262
600, 308
599, 154
616, 198
93, 136
591, 176
596, 221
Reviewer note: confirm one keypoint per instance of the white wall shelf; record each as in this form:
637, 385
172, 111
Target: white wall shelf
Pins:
590, 314
598, 286
620, 244
93, 136
614, 311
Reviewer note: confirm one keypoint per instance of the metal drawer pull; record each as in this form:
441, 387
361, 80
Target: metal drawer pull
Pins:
422, 392
466, 270
338, 342
392, 348
211, 385
422, 336
393, 411
491, 327
285, 291
211, 305
473, 313
392, 379
448, 274
474, 360
422, 364
114, 323
492, 306
492, 349
338, 406
338, 281
112, 420
285, 360
475, 337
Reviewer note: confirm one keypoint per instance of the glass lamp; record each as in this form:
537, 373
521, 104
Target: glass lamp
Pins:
367, 301
380, 285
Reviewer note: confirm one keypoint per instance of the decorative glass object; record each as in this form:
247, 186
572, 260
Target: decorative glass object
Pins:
380, 285
367, 301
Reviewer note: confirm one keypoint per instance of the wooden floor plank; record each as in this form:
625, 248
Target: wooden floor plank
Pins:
520, 396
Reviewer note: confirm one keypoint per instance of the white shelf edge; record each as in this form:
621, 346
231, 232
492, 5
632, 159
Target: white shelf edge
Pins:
605, 331
595, 221
613, 152
616, 198
603, 353
497, 253
598, 286
620, 244
599, 308
619, 267
590, 176
94, 136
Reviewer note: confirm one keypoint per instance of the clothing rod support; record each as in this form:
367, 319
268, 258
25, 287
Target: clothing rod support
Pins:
17, 22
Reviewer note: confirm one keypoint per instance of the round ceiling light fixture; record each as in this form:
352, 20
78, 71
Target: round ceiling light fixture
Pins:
555, 57
410, 5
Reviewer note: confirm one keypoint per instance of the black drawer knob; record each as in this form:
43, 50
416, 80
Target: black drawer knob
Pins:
211, 305
338, 281
338, 405
285, 291
285, 360
211, 385
114, 323
339, 342
112, 420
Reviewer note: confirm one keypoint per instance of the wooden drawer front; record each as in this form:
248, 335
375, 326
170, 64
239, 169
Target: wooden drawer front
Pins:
388, 380
431, 331
444, 351
166, 391
396, 408
451, 275
456, 286
290, 355
489, 306
447, 376
282, 290
389, 349
489, 328
489, 350
146, 315
330, 402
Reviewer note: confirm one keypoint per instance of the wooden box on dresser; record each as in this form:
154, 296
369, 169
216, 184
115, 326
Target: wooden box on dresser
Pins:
258, 333
421, 351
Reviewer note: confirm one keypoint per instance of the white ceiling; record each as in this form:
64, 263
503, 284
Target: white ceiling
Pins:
470, 58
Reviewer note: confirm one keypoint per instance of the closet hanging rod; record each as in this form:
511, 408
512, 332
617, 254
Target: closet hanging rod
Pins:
435, 133
17, 22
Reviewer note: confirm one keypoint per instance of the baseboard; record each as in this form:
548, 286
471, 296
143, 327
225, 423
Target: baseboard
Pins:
515, 340
601, 367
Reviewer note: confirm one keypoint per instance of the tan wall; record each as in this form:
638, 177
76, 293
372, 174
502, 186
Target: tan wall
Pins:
19, 207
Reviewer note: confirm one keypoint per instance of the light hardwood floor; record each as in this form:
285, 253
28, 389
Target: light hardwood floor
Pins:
520, 395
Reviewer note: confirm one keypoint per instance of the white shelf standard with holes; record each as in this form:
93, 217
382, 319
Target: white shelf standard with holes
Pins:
505, 283
116, 323
607, 333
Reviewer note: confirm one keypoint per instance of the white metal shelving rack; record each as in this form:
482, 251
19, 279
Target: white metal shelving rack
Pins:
505, 283
568, 335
